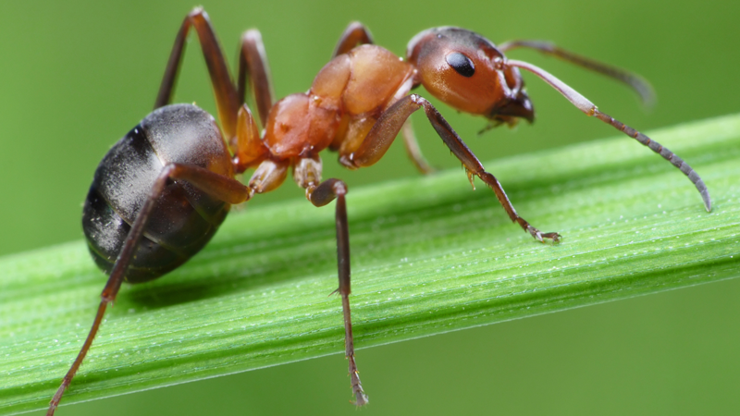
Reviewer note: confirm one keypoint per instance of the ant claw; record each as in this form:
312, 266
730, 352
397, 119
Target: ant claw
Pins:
539, 236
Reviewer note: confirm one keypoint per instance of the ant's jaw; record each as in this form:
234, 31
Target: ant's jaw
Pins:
519, 107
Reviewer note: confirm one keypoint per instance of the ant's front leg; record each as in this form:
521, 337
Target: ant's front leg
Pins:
413, 151
390, 122
357, 33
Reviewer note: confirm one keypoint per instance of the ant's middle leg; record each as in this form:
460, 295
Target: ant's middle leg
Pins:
390, 122
307, 174
255, 72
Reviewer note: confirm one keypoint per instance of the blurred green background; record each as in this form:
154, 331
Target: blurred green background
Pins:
77, 75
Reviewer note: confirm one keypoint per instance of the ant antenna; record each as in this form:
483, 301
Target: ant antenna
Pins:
589, 108
634, 81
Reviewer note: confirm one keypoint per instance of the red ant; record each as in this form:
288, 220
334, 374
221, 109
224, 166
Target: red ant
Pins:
161, 192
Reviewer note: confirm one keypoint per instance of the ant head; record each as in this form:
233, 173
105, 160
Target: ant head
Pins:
468, 72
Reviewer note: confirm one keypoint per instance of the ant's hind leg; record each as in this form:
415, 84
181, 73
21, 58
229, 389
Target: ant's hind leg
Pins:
217, 186
227, 99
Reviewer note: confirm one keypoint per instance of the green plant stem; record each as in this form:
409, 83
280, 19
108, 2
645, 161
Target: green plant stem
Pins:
428, 256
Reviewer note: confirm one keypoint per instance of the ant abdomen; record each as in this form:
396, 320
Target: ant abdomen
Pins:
184, 218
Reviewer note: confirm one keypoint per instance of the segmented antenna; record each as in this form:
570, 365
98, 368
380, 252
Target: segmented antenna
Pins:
634, 81
587, 107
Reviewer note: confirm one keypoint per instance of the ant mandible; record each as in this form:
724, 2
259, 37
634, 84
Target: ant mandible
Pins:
161, 192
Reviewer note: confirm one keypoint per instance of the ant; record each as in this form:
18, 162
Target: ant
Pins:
160, 193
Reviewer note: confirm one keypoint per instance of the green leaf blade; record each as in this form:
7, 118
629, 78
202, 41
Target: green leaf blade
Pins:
428, 256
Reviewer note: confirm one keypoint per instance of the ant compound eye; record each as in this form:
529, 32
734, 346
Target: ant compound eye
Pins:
461, 63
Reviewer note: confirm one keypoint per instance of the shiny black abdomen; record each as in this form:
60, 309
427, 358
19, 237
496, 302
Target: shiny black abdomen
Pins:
184, 218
